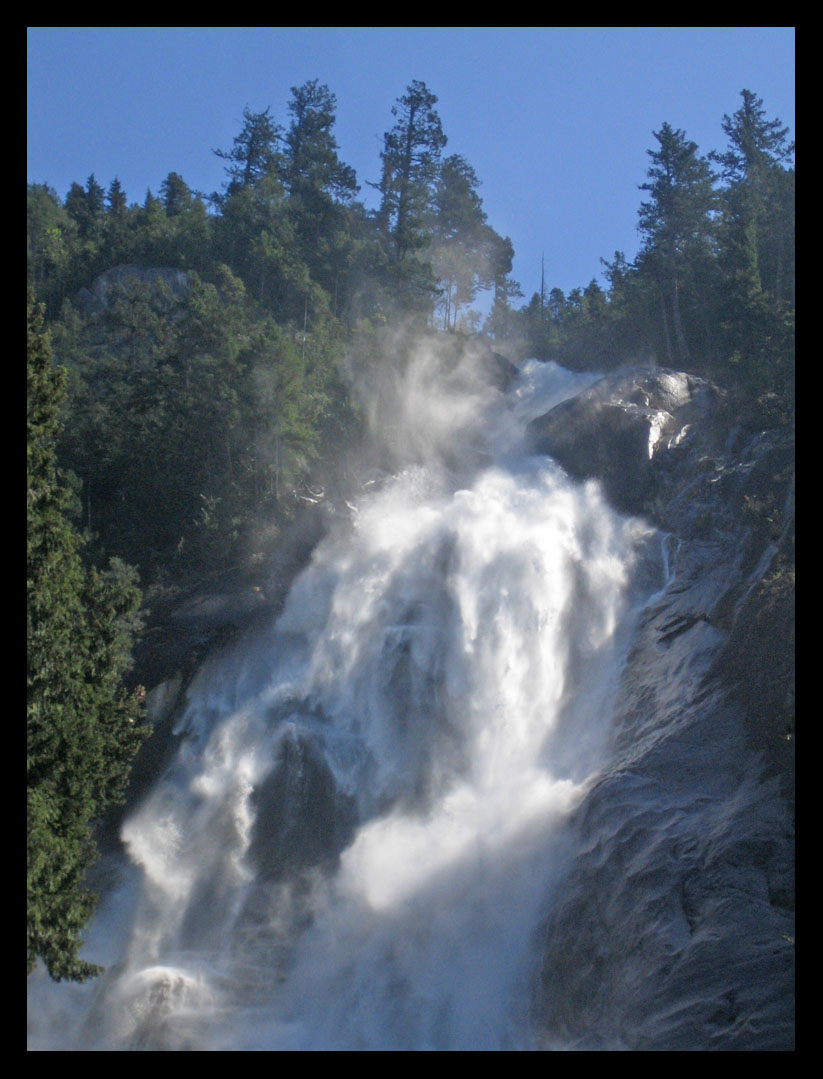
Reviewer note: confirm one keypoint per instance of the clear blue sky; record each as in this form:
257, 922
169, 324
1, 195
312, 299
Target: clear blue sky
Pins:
556, 121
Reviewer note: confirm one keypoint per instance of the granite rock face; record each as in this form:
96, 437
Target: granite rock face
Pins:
614, 430
674, 929
665, 446
166, 283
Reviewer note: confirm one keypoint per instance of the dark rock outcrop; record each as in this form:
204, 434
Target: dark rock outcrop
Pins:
167, 285
615, 430
301, 818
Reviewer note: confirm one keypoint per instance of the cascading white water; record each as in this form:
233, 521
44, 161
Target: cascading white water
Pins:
364, 824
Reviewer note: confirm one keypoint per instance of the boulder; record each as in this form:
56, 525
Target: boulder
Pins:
614, 430
167, 284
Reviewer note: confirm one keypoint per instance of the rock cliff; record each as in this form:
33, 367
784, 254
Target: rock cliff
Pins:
695, 882
665, 445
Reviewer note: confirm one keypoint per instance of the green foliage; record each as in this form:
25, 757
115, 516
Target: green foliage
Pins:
194, 413
52, 245
254, 153
116, 204
757, 255
201, 402
466, 254
82, 728
311, 167
154, 399
86, 207
712, 288
410, 167
676, 224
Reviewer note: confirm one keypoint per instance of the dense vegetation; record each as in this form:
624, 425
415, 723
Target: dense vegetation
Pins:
82, 728
212, 347
712, 288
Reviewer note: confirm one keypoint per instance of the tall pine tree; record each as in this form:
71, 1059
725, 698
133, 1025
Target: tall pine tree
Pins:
410, 161
676, 225
757, 252
254, 152
310, 158
82, 728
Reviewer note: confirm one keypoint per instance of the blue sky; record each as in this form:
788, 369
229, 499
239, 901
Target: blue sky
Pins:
556, 121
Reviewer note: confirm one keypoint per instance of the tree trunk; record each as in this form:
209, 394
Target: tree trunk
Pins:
666, 334
680, 337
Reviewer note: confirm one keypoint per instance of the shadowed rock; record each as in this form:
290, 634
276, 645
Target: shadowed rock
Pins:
613, 431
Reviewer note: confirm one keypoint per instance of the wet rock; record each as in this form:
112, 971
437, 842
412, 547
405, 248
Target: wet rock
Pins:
301, 819
615, 430
687, 864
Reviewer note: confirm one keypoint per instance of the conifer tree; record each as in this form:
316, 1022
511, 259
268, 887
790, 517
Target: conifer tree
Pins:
676, 225
310, 155
82, 728
460, 237
320, 187
52, 242
175, 194
116, 199
501, 317
87, 206
758, 200
254, 152
410, 160
757, 249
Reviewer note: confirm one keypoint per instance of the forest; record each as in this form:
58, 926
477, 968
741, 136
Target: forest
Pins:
196, 361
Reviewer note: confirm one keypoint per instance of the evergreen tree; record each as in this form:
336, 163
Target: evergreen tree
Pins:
757, 250
410, 166
633, 309
255, 235
254, 152
320, 187
595, 303
758, 198
555, 305
52, 245
176, 195
500, 323
82, 728
116, 199
755, 143
310, 158
148, 242
87, 206
461, 241
676, 225
118, 234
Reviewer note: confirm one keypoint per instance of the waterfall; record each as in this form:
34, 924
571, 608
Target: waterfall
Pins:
367, 828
